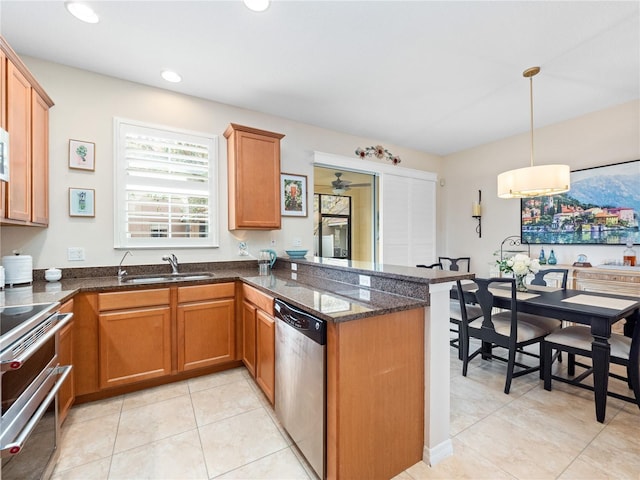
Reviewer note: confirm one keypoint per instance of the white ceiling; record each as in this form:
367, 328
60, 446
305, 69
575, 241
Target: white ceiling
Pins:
438, 77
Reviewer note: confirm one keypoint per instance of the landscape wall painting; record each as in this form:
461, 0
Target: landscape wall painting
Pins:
602, 207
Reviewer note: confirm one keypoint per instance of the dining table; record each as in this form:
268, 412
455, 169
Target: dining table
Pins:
595, 309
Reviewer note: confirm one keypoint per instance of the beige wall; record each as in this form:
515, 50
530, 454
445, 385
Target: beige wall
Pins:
85, 104
599, 138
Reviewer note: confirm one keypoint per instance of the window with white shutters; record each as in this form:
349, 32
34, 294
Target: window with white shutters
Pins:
165, 187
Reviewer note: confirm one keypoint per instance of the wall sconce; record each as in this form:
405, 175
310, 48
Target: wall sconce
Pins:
477, 213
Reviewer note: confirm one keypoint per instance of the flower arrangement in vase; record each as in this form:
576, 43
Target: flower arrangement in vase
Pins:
521, 266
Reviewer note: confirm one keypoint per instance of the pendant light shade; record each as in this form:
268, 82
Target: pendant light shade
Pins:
534, 181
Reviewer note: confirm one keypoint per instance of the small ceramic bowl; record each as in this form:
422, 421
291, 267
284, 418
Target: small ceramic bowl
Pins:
52, 274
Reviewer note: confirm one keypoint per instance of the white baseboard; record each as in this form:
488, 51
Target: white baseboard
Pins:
433, 456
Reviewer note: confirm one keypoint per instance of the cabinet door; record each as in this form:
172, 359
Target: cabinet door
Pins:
254, 178
19, 126
39, 159
266, 354
135, 345
86, 346
206, 334
249, 337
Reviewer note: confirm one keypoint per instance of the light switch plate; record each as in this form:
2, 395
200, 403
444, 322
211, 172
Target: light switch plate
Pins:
365, 280
75, 254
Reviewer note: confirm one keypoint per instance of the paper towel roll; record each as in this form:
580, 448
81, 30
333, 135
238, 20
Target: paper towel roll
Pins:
17, 269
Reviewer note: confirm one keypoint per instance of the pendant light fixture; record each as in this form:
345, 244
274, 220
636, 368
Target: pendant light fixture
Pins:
533, 181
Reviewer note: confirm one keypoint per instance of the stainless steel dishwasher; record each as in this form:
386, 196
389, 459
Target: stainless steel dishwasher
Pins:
300, 394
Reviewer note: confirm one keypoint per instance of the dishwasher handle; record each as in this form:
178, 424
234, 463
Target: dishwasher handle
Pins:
303, 322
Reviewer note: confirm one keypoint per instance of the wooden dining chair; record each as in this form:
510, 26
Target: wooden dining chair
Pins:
437, 266
455, 264
549, 275
576, 340
510, 329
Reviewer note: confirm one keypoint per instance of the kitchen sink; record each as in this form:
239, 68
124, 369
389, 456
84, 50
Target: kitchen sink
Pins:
169, 277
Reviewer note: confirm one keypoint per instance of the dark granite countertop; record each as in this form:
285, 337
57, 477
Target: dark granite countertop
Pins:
326, 298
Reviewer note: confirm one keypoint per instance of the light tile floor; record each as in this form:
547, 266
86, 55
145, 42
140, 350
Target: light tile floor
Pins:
221, 426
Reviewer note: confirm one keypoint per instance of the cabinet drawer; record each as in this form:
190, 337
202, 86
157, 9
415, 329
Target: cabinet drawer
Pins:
133, 299
67, 307
261, 300
197, 293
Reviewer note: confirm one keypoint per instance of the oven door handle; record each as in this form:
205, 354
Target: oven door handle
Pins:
16, 363
15, 447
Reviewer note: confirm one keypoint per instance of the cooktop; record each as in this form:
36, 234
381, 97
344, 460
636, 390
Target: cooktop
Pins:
16, 321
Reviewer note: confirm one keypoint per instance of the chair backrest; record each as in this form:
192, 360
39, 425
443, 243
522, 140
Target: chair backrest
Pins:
437, 266
539, 278
484, 298
455, 264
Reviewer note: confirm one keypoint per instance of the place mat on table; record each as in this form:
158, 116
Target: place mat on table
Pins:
605, 302
506, 293
501, 292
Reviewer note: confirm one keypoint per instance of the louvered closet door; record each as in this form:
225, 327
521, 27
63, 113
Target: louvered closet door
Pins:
407, 220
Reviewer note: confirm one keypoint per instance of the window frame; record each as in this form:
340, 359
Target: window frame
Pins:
121, 240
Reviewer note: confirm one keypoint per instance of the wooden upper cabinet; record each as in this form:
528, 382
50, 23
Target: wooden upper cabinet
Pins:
254, 178
19, 127
25, 115
3, 119
39, 159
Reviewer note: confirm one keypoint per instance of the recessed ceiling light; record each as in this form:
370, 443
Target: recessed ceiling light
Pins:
82, 12
171, 76
257, 5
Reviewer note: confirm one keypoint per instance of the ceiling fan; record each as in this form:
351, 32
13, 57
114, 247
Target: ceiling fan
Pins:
341, 186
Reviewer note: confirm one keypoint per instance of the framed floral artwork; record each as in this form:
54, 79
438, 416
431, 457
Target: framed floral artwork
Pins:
82, 155
293, 195
82, 202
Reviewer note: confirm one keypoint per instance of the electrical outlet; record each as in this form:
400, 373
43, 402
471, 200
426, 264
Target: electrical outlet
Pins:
365, 280
294, 276
294, 266
75, 254
364, 294
297, 242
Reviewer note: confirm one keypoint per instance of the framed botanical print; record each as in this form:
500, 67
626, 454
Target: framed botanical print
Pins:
82, 155
82, 202
293, 195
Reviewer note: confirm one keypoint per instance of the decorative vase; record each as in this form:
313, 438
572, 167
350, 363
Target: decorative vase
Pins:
552, 258
541, 258
520, 285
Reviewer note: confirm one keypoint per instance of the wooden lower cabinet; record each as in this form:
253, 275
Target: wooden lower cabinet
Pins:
266, 353
249, 337
134, 336
375, 395
258, 338
66, 394
206, 328
85, 343
135, 345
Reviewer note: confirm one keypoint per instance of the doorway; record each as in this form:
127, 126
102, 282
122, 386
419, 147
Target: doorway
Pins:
345, 214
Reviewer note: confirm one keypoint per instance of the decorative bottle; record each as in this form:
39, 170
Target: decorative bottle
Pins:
552, 258
541, 259
629, 255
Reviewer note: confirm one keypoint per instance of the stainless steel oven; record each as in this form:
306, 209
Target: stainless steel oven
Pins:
30, 380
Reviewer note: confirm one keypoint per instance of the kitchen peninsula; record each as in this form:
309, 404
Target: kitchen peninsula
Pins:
387, 348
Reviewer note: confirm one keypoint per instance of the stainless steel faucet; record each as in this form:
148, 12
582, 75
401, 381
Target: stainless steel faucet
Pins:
173, 260
121, 272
